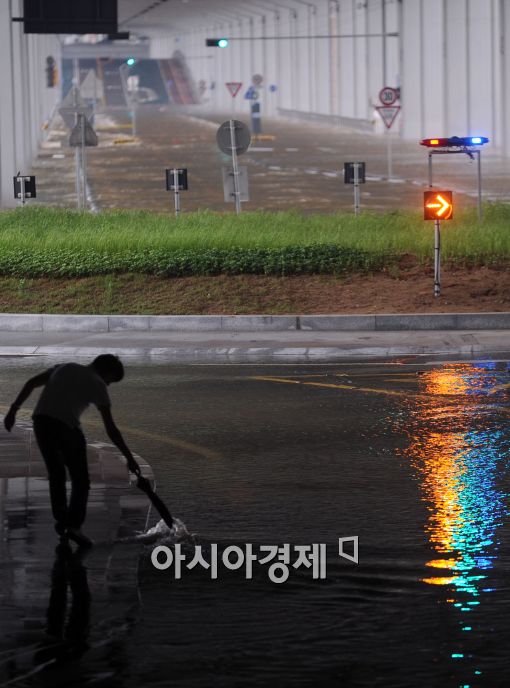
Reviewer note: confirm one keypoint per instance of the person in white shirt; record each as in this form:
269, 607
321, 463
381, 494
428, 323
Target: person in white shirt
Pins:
68, 389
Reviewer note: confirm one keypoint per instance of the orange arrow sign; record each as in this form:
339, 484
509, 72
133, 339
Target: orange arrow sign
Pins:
438, 205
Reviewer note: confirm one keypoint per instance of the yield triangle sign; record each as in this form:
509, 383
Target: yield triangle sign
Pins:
388, 114
73, 100
234, 87
72, 105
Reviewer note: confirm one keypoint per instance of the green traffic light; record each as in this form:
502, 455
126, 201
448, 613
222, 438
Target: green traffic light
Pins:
130, 61
223, 43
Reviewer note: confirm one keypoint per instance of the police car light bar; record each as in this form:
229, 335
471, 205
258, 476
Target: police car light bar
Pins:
455, 142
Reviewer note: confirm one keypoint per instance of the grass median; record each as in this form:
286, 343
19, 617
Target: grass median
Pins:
48, 242
58, 261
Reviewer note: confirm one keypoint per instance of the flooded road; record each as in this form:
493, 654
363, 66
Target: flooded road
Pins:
300, 167
410, 458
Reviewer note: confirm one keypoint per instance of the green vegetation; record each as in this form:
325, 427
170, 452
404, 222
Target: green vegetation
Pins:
63, 243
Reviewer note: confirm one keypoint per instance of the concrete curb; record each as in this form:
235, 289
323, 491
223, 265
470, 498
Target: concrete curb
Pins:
19, 322
268, 354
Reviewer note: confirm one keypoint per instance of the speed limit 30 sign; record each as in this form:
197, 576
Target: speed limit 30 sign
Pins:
388, 95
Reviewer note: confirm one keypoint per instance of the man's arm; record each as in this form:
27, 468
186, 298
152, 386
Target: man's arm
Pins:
28, 387
114, 434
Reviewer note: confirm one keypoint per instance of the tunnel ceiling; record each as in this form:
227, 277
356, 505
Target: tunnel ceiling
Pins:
156, 17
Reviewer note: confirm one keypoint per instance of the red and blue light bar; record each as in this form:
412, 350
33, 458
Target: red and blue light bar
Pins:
454, 142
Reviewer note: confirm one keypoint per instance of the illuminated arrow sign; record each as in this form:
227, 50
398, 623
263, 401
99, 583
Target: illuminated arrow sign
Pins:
438, 205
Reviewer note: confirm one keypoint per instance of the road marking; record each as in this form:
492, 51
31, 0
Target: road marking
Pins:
329, 385
173, 442
164, 439
367, 390
259, 149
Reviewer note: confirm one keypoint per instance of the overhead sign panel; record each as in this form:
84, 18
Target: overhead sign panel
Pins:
70, 16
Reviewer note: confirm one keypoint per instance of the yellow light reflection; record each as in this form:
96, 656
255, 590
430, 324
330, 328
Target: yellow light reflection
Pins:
439, 580
456, 444
443, 563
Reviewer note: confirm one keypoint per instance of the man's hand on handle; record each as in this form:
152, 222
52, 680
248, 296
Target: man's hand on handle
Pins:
133, 466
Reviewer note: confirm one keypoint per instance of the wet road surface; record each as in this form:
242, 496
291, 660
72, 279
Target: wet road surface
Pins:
299, 168
410, 457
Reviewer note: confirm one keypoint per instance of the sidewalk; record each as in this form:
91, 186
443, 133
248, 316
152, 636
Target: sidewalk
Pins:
36, 579
297, 346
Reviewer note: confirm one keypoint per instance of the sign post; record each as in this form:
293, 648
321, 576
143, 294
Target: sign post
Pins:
256, 120
354, 173
72, 108
177, 181
237, 190
177, 200
437, 206
388, 112
233, 138
82, 135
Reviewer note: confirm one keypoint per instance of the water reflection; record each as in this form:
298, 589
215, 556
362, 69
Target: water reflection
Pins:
458, 445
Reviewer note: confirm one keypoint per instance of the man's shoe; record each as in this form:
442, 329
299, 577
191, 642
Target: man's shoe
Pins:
80, 538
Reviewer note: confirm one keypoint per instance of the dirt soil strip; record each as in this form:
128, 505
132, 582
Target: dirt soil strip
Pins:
404, 291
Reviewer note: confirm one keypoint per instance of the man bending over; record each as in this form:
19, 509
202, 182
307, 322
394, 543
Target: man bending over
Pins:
67, 391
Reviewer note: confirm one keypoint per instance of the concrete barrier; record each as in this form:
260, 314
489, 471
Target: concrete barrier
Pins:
12, 322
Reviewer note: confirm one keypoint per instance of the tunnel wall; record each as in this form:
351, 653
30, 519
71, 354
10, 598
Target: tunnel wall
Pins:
449, 60
25, 101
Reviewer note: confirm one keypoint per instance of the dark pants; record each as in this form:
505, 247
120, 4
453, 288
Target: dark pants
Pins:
64, 447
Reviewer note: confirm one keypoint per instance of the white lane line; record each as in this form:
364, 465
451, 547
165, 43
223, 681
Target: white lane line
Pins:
291, 150
259, 149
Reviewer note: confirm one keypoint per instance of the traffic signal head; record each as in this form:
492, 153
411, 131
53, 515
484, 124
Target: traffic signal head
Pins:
438, 205
51, 72
455, 142
216, 42
130, 61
